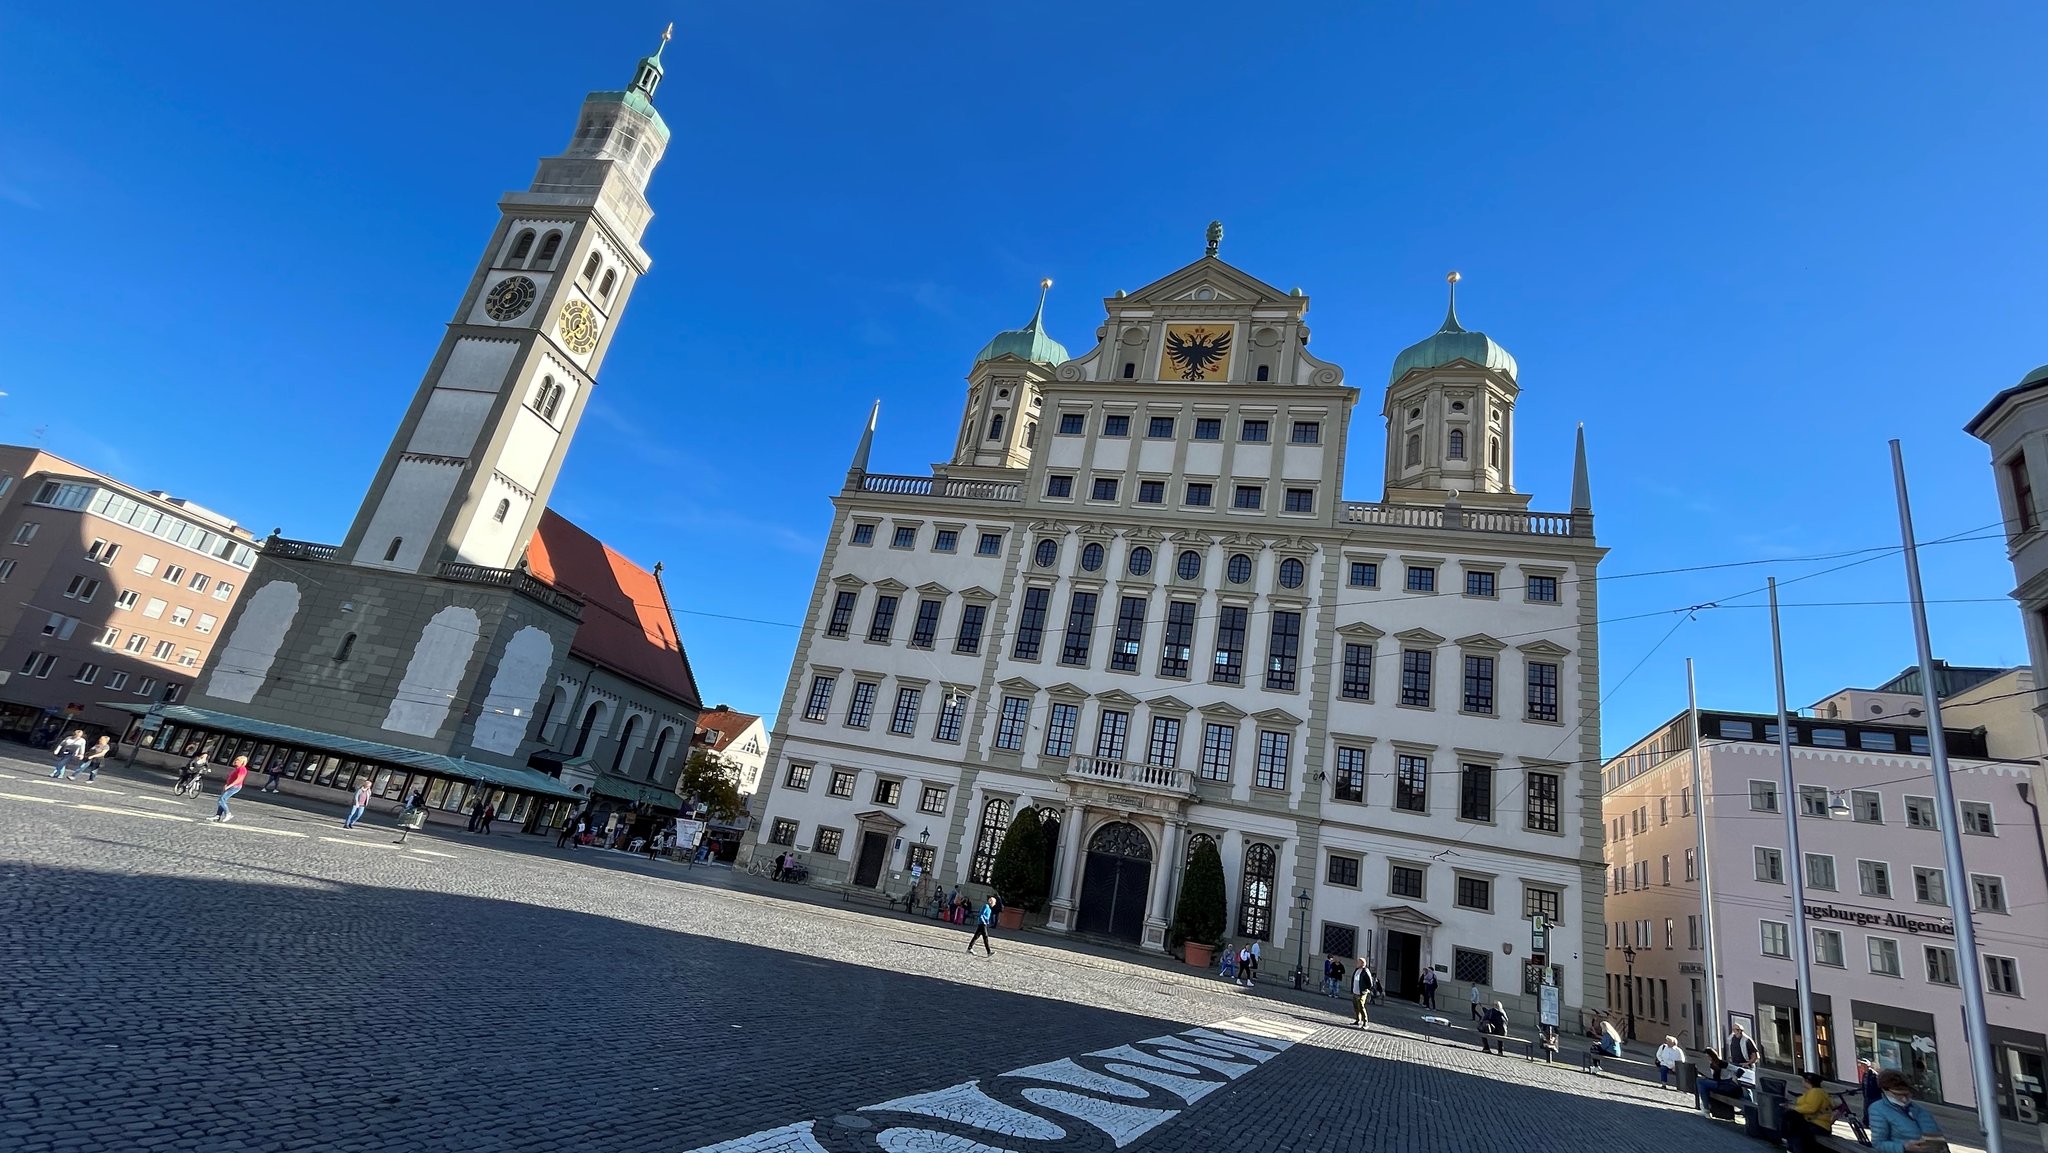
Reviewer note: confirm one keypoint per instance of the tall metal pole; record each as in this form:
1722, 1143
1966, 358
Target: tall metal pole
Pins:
1796, 867
1712, 1033
1970, 969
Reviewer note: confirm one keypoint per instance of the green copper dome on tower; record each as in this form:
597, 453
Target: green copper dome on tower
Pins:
1451, 343
1029, 342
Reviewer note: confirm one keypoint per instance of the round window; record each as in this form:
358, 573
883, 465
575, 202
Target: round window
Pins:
1240, 569
1291, 573
1141, 561
1048, 552
1457, 406
1190, 565
1091, 557
1414, 414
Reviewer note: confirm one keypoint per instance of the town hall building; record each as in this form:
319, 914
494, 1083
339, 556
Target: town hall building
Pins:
1136, 600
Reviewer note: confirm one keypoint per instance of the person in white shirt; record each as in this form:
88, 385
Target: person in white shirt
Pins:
1477, 989
1669, 1055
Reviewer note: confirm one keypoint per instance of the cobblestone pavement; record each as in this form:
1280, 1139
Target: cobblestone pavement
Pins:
278, 983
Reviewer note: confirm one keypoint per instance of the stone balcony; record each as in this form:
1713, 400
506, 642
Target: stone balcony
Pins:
1160, 780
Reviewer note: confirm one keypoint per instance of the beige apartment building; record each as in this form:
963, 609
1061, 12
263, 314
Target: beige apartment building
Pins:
113, 595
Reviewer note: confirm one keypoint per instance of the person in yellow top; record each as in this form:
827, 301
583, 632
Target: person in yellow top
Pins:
1812, 1114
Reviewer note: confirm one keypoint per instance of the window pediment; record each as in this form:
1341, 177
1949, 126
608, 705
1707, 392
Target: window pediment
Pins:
1170, 706
1481, 642
1360, 631
891, 585
1544, 649
1280, 717
1067, 691
977, 594
1418, 637
849, 581
934, 589
1353, 740
1118, 697
1221, 710
1018, 686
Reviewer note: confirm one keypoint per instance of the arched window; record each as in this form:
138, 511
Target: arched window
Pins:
591, 266
1031, 435
391, 553
1255, 899
1196, 842
583, 734
654, 769
1493, 452
548, 248
1265, 372
995, 821
604, 289
348, 645
1456, 449
504, 506
995, 427
1414, 449
625, 745
523, 245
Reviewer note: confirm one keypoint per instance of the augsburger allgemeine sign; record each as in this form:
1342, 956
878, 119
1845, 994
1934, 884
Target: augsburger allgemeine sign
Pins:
1863, 918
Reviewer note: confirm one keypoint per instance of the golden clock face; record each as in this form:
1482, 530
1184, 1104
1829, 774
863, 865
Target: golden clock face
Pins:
579, 327
512, 296
1196, 352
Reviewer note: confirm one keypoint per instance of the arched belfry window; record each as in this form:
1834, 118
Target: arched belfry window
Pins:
1031, 435
1493, 452
391, 553
1456, 449
548, 248
504, 507
995, 427
1255, 899
654, 769
625, 745
591, 266
523, 245
995, 821
604, 290
583, 734
1414, 449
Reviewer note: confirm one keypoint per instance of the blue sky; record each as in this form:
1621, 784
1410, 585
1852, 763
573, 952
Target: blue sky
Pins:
1745, 245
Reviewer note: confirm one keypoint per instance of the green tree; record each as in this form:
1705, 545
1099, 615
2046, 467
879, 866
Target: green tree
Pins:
713, 781
1199, 914
1019, 873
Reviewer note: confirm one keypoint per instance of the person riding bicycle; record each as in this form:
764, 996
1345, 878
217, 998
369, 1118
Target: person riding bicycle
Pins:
194, 769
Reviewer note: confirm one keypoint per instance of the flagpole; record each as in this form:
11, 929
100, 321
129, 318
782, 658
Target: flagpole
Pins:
1712, 1034
1971, 967
1802, 958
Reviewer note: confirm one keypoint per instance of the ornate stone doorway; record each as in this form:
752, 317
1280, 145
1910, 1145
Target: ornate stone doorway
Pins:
1114, 885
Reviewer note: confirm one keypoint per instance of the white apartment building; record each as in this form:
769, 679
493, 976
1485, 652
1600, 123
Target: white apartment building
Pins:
1136, 600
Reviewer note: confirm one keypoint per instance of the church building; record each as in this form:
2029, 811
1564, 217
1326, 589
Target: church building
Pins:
1136, 600
463, 640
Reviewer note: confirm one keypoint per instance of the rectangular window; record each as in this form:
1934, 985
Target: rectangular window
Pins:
1876, 878
1763, 796
1306, 432
945, 540
1930, 886
1272, 767
137, 642
820, 701
1415, 677
223, 591
1877, 742
1283, 651
1828, 738
888, 792
1479, 685
1164, 747
1820, 871
1073, 424
903, 719
991, 544
969, 638
1542, 691
1987, 893
1542, 589
1357, 680
1080, 630
143, 688
1247, 496
1016, 716
2022, 492
181, 615
1229, 664
1151, 492
827, 841
1350, 775
87, 673
206, 623
903, 537
82, 589
1178, 650
1105, 488
27, 532
841, 620
1884, 957
863, 534
164, 650
1130, 634
1472, 966
199, 582
1411, 783
1200, 494
1364, 574
1813, 801
109, 638
782, 832
925, 629
1770, 865
860, 711
1059, 729
1479, 584
1219, 746
1112, 729
7, 571
1544, 808
1404, 881
932, 800
1827, 944
1208, 428
2002, 975
1941, 965
1421, 579
1031, 624
1116, 425
1059, 486
1777, 939
798, 777
952, 708
1159, 428
1475, 793
154, 609
117, 682
883, 622
1343, 871
842, 783
1300, 500
1977, 819
1869, 807
1545, 903
1920, 813
102, 552
1255, 431
1475, 893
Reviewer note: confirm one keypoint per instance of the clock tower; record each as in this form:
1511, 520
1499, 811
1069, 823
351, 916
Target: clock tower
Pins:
469, 472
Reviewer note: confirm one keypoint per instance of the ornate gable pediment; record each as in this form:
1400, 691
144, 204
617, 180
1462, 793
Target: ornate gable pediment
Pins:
1418, 637
849, 581
1279, 717
1118, 697
891, 585
1221, 709
934, 589
1406, 914
1017, 686
1067, 691
1360, 631
1225, 282
1170, 705
977, 593
1543, 649
1479, 641
877, 819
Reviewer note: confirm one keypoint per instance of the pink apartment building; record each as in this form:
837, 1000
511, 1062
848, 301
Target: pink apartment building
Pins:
1883, 936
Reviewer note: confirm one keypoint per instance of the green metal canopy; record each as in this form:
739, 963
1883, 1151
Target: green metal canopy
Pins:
457, 768
625, 790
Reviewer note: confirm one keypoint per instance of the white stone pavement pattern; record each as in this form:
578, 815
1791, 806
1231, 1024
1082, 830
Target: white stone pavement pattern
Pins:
278, 983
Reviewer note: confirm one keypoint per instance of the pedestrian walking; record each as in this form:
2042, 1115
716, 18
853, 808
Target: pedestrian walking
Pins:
476, 816
1741, 1050
1668, 1057
1244, 965
70, 751
490, 814
1493, 1029
1361, 992
567, 830
1336, 976
272, 773
653, 846
1478, 996
1253, 976
94, 758
988, 917
237, 776
355, 812
1429, 988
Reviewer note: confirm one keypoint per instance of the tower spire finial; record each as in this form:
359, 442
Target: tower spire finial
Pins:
1044, 287
1582, 484
647, 76
1451, 314
1215, 237
667, 34
867, 442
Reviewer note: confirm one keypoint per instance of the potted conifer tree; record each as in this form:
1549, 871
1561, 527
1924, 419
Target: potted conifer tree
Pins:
1019, 872
1199, 914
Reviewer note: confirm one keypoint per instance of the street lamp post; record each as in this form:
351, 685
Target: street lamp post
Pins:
1301, 902
1628, 954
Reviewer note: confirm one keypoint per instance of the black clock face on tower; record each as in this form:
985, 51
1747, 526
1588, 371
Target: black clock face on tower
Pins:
512, 296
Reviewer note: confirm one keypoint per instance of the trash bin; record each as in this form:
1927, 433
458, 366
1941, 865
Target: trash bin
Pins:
1770, 1104
1688, 1078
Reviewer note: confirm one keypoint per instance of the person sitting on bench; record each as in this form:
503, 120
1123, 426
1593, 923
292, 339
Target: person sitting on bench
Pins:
1606, 1044
1719, 1078
1493, 1029
1812, 1115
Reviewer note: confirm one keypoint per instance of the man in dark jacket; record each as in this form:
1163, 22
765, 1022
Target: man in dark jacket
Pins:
1493, 1029
1866, 1076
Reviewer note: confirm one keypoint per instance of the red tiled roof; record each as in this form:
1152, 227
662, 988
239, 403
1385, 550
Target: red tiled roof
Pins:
729, 723
626, 623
